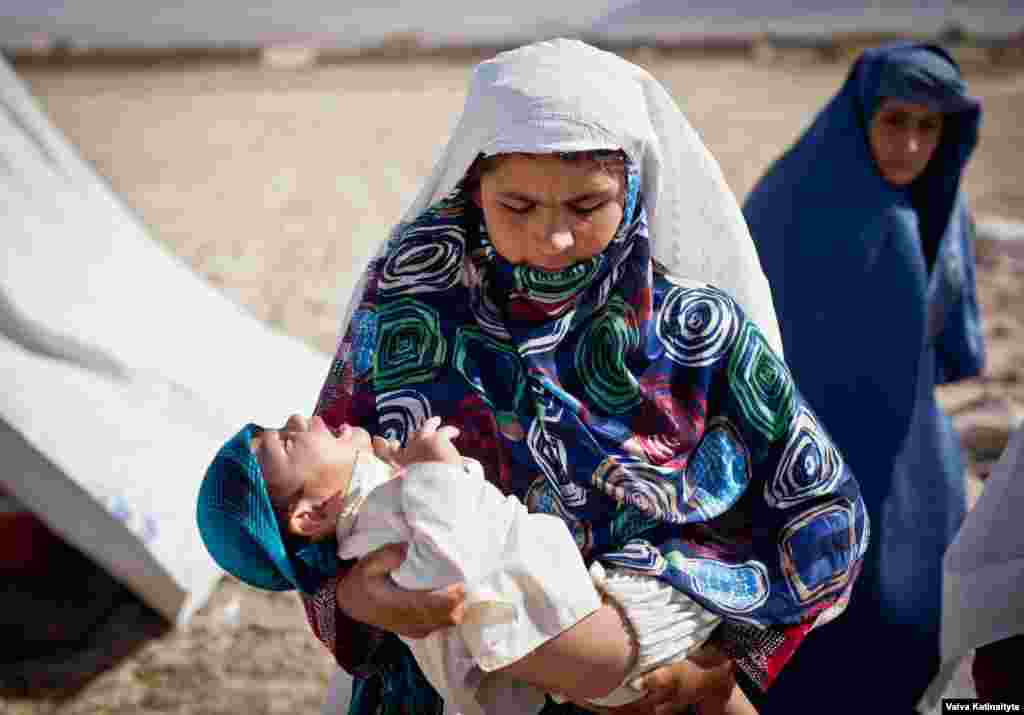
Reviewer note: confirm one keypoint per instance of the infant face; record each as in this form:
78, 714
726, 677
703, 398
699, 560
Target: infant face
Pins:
307, 468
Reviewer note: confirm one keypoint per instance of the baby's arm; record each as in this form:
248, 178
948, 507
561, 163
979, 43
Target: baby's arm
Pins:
430, 443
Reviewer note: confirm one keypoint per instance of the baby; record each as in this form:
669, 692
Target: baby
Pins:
306, 497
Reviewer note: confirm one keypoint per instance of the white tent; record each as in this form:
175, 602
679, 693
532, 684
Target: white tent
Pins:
121, 372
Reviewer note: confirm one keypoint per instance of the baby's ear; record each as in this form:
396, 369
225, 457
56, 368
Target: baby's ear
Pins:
307, 520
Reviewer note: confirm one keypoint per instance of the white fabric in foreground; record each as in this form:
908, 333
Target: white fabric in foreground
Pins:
525, 579
983, 570
122, 371
113, 467
563, 96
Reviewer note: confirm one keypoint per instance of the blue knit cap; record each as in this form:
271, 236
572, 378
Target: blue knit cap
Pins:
237, 522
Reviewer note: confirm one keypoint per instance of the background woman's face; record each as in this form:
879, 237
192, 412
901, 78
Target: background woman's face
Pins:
903, 137
550, 213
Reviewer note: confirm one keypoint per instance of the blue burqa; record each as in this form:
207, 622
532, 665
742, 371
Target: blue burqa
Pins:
875, 292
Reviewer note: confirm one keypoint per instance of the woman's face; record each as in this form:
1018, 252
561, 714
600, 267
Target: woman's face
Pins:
904, 136
548, 212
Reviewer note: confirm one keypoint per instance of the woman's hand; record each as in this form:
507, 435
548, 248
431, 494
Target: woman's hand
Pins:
706, 679
367, 594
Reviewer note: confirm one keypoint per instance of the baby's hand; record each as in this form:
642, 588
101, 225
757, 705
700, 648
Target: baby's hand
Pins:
430, 443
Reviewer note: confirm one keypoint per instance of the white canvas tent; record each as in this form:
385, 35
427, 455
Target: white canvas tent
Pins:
121, 372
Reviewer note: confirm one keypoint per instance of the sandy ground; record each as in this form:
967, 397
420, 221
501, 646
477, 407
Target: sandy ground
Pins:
276, 185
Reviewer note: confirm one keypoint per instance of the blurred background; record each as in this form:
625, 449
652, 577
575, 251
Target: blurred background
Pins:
269, 147
345, 28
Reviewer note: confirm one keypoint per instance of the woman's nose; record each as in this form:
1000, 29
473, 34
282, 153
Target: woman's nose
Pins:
558, 242
557, 237
913, 143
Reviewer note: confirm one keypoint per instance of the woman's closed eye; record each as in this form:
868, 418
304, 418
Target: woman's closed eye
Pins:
584, 209
587, 208
518, 208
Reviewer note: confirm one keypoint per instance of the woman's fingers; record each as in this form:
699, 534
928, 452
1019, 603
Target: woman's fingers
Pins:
648, 705
707, 674
441, 608
707, 677
363, 584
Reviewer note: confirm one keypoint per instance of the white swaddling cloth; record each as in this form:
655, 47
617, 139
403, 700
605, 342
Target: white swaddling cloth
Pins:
525, 582
525, 579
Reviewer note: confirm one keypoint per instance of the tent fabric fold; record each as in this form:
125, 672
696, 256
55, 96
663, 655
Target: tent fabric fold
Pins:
121, 371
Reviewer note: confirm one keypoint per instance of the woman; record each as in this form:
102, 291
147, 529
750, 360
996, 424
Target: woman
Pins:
865, 237
527, 299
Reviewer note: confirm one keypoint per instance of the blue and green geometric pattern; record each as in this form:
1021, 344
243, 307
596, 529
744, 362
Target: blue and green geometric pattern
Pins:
410, 347
761, 384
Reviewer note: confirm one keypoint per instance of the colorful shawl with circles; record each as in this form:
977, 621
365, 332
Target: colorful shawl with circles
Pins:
646, 412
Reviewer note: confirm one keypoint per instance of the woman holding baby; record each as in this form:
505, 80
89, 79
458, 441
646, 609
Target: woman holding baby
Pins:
575, 291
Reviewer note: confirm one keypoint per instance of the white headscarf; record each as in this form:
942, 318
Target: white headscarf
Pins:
566, 96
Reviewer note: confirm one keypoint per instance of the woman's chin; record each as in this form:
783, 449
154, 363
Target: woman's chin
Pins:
551, 268
900, 176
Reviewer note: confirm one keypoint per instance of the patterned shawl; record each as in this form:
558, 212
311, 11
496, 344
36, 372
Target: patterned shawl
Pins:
647, 412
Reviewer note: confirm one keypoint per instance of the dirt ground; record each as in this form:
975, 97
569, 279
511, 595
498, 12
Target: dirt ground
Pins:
277, 184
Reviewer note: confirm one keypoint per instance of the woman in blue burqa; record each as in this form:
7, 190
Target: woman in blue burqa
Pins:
866, 238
